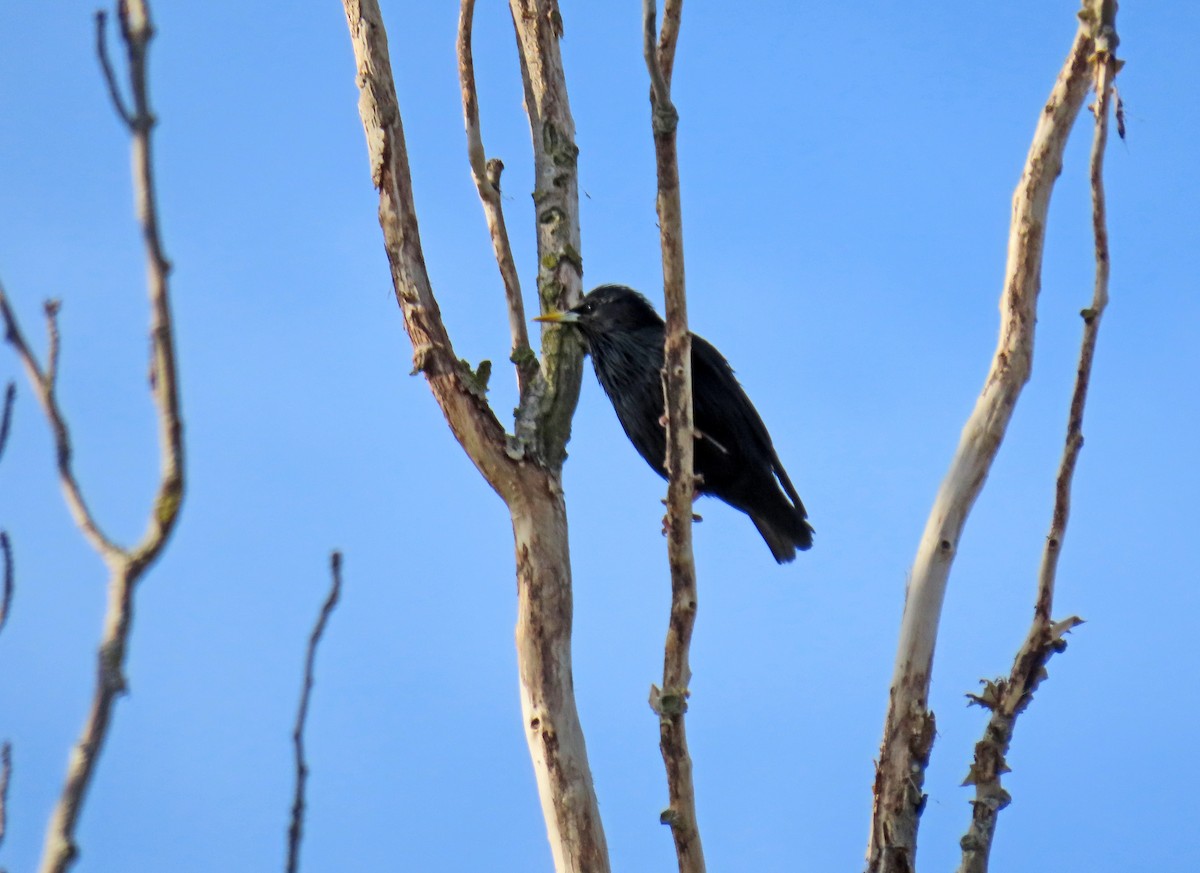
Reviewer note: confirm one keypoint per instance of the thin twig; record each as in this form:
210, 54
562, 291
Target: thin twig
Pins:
5, 777
671, 701
44, 390
1008, 698
110, 77
296, 828
487, 180
10, 396
6, 595
126, 566
909, 727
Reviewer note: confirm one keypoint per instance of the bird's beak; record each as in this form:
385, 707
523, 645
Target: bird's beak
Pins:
558, 318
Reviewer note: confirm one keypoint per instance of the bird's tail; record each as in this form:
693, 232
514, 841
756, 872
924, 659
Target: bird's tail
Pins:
785, 533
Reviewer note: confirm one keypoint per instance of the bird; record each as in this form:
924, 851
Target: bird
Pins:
735, 459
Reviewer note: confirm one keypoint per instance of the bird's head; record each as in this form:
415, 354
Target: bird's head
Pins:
606, 309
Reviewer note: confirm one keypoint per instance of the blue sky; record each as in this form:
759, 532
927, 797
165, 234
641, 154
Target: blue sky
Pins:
847, 171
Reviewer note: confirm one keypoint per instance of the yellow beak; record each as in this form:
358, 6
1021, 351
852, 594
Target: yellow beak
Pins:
557, 318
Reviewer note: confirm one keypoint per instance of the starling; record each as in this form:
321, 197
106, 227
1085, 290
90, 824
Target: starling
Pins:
734, 457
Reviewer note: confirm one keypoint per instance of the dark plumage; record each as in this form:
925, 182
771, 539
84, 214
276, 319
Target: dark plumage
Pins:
734, 455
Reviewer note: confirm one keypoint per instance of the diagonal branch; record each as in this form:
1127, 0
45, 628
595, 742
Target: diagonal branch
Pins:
10, 396
44, 388
487, 180
1008, 698
460, 397
296, 827
909, 727
671, 702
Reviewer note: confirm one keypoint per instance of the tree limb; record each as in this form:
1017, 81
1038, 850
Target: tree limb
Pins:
487, 180
671, 702
525, 471
296, 827
126, 566
539, 26
44, 387
1008, 698
909, 727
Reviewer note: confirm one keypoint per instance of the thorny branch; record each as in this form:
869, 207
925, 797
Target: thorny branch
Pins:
1008, 698
671, 701
487, 181
296, 827
126, 565
909, 727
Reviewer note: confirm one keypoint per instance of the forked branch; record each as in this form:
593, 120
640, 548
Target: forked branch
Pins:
909, 727
525, 470
1007, 698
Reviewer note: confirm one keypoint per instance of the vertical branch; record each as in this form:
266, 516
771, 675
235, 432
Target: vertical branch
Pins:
671, 702
539, 27
487, 180
6, 595
296, 827
1008, 698
5, 776
909, 727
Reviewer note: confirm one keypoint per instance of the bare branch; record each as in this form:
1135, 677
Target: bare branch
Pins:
110, 77
1008, 698
487, 180
10, 396
669, 37
526, 473
5, 776
6, 595
44, 389
466, 409
296, 828
51, 309
126, 566
671, 702
909, 727
539, 26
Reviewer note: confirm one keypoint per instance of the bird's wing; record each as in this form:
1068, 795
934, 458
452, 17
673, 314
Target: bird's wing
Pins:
732, 421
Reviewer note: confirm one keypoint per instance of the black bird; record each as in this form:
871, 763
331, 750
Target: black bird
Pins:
734, 456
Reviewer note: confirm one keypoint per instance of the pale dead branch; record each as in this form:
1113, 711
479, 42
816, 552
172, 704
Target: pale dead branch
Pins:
9, 584
1008, 698
526, 469
296, 825
126, 565
909, 727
